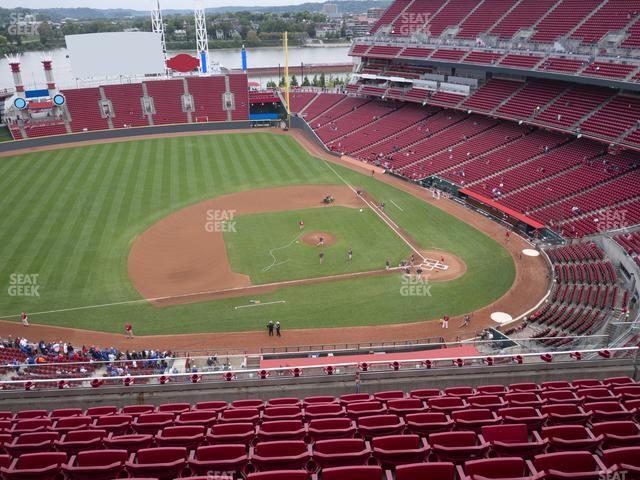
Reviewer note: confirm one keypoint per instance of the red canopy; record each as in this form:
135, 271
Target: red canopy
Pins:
502, 208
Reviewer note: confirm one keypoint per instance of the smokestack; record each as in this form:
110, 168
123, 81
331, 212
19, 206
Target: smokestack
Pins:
14, 62
48, 73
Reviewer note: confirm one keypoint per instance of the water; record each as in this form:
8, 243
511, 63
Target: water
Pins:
33, 75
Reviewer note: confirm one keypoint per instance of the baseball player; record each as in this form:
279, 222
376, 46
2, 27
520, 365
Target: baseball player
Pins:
320, 242
349, 254
321, 256
25, 319
301, 224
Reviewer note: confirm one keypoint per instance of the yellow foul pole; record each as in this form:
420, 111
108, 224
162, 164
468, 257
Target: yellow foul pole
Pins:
285, 44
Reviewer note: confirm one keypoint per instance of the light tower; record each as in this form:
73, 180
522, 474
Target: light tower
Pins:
157, 26
202, 40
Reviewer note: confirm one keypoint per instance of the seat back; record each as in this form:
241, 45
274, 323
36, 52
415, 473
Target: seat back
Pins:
287, 448
83, 435
65, 412
174, 407
473, 414
341, 445
284, 401
220, 452
148, 456
324, 409
352, 473
183, 431
509, 433
153, 418
619, 456
35, 461
232, 428
318, 400
137, 409
568, 462
566, 432
248, 403
379, 421
504, 467
432, 471
397, 442
454, 439
215, 405
620, 428
101, 410
97, 458
279, 475
279, 426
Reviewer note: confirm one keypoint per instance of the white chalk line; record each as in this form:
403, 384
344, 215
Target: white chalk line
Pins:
259, 304
275, 262
397, 206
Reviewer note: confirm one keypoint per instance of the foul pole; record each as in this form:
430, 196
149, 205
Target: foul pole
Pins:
285, 44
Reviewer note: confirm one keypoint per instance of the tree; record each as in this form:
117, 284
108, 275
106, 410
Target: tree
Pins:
315, 82
323, 82
306, 82
271, 84
253, 40
282, 82
294, 81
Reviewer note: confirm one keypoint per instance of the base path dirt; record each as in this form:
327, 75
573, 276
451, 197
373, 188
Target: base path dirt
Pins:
531, 284
314, 239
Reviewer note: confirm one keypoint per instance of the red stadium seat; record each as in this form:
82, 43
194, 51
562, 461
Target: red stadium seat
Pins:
524, 387
557, 385
512, 440
285, 455
163, 463
567, 465
474, 419
596, 395
284, 402
281, 430
563, 413
67, 424
492, 402
571, 438
65, 412
135, 410
190, 437
29, 414
622, 433
425, 393
341, 452
279, 475
216, 406
321, 399
559, 396
100, 411
240, 415
606, 411
627, 392
175, 408
432, 471
388, 395
354, 397
491, 390
328, 428
523, 399
378, 425
586, 383
116, 424
457, 446
352, 473
364, 409
405, 406
612, 381
624, 461
462, 392
31, 425
31, 443
219, 458
152, 423
505, 467
323, 410
224, 433
95, 465
131, 443
292, 412
35, 466
427, 423
204, 418
79, 440
248, 403
393, 450
446, 404
527, 415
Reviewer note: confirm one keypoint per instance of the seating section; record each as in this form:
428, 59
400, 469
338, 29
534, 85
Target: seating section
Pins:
484, 17
83, 105
126, 101
580, 429
613, 16
390, 14
524, 15
562, 19
299, 100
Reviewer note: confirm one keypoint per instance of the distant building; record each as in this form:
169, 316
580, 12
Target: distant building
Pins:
324, 30
330, 10
180, 34
374, 13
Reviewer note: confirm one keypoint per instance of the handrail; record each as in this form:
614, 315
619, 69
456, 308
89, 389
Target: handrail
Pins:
264, 373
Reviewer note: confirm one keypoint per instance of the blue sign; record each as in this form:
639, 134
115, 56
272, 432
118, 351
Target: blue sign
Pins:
244, 59
20, 103
36, 93
203, 61
58, 99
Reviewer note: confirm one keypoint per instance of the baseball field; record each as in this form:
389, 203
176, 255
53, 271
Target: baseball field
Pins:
201, 234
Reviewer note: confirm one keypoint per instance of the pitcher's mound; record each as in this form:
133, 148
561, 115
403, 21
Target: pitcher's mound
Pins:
313, 238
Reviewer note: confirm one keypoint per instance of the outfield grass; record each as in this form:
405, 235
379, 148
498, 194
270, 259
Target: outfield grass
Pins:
70, 216
5, 134
283, 256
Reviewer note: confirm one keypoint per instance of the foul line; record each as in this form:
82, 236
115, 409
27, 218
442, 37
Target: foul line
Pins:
397, 206
259, 304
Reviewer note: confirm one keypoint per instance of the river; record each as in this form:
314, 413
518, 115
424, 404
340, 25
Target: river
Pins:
33, 75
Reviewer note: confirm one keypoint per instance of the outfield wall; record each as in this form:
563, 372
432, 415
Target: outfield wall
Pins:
121, 133
304, 386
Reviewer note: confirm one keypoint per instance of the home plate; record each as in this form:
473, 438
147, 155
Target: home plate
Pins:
501, 317
530, 252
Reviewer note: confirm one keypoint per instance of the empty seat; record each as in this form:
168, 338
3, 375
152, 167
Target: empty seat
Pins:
527, 415
524, 387
425, 393
432, 471
28, 414
35, 466
95, 465
393, 450
218, 458
320, 399
605, 411
427, 423
523, 399
618, 381
152, 423
513, 440
363, 409
341, 452
370, 472
462, 392
586, 382
568, 465
617, 434
323, 410
457, 446
282, 455
505, 467
557, 385
248, 403
474, 419
377, 425
388, 395
354, 397
559, 396
135, 410
292, 412
491, 390
627, 392
492, 402
65, 412
279, 475
222, 433
116, 424
31, 443
240, 415
446, 404
281, 430
130, 443
101, 410
67, 424
216, 406
284, 401
571, 437
161, 463
563, 413
205, 418
31, 425
190, 436
174, 407
625, 461
326, 428
405, 406
80, 440
596, 395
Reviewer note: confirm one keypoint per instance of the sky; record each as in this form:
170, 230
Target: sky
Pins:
144, 4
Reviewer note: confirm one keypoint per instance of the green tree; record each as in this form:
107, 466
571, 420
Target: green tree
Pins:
322, 82
271, 84
315, 82
306, 82
282, 82
294, 81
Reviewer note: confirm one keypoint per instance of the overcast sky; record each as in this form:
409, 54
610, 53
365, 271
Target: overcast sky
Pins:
143, 4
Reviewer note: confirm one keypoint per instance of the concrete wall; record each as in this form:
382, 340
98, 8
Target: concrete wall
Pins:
319, 385
121, 133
